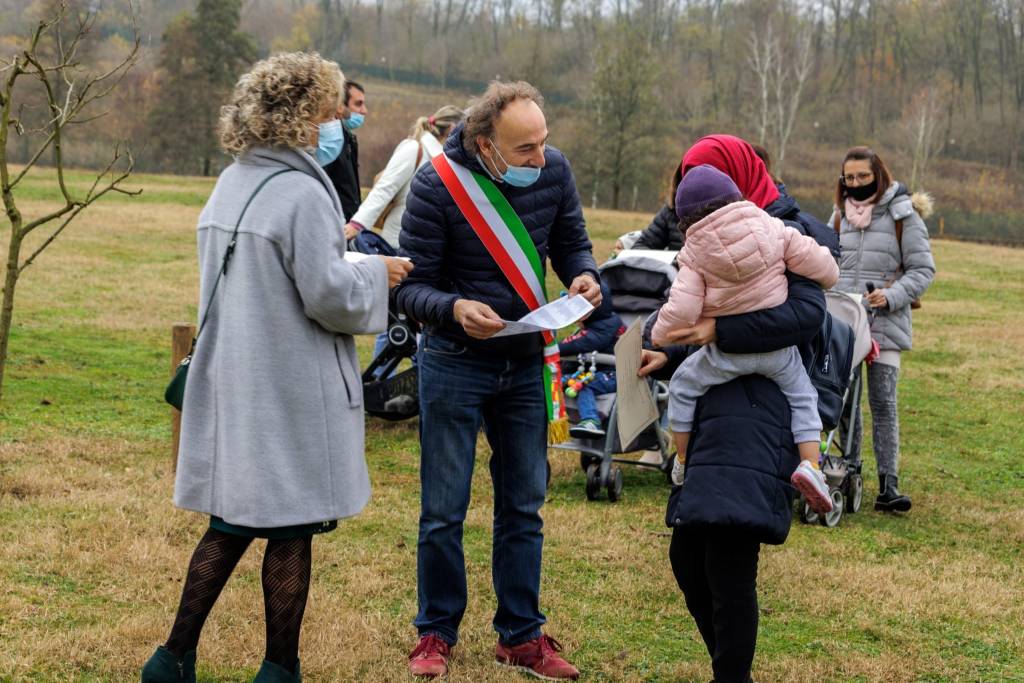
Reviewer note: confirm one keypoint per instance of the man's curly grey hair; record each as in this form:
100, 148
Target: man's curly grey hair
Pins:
278, 102
485, 110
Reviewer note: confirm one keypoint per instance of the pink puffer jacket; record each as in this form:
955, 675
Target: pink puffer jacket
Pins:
734, 261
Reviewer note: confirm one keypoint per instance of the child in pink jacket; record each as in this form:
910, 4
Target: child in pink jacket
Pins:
734, 261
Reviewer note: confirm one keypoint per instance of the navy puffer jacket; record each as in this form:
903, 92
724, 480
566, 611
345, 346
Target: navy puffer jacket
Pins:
789, 212
452, 263
741, 453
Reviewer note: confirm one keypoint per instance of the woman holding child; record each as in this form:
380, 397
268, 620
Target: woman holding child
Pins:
741, 455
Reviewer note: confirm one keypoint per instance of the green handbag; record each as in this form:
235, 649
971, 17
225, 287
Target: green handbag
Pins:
175, 392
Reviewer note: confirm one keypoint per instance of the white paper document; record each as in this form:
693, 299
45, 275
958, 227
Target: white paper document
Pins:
553, 316
636, 407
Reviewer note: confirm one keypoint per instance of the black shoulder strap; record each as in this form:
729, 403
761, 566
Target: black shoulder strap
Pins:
231, 248
899, 238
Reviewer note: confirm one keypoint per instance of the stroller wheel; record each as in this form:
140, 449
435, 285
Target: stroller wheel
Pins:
614, 484
586, 460
831, 519
807, 515
855, 494
593, 481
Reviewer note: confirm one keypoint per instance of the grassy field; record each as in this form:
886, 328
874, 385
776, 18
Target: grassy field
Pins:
92, 553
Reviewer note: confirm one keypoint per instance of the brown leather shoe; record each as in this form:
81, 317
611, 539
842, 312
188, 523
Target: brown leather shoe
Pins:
430, 657
538, 657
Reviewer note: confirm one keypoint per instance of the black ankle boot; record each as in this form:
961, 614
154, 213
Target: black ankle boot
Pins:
164, 667
889, 498
272, 673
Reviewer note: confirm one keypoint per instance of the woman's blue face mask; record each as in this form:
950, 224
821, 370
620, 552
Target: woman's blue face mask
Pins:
332, 139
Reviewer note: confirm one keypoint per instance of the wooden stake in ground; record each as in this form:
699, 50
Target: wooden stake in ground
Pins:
70, 92
182, 335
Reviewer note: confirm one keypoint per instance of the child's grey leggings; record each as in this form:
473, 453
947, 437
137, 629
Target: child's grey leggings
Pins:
885, 422
710, 367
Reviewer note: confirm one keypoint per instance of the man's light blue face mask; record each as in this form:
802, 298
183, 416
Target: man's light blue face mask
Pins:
332, 139
354, 120
517, 176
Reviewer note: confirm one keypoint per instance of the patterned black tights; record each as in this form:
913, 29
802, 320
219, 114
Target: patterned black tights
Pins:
212, 563
286, 569
286, 575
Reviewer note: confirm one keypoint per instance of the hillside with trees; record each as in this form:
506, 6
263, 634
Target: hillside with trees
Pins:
936, 86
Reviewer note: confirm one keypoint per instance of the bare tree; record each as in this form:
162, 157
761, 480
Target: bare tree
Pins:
781, 75
80, 90
764, 49
1011, 35
790, 74
920, 124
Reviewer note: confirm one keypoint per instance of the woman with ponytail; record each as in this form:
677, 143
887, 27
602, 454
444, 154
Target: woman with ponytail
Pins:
384, 206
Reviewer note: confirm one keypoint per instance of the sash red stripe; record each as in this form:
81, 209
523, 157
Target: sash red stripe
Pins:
483, 231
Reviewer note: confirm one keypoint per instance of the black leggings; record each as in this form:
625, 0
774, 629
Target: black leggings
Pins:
717, 572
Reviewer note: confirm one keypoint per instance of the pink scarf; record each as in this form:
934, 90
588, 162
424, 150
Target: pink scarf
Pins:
858, 214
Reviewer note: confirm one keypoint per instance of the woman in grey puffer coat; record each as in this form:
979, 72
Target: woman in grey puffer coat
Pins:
870, 210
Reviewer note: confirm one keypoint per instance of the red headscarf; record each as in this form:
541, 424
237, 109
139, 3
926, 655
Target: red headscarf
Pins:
735, 158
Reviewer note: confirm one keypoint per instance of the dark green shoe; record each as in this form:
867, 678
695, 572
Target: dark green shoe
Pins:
164, 667
272, 673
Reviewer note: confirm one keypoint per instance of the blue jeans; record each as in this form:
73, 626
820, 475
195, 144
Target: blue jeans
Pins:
460, 390
586, 399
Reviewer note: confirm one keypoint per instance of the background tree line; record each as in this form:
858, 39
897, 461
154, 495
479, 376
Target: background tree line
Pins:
938, 85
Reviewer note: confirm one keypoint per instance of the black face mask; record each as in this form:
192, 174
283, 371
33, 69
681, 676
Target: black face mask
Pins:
862, 192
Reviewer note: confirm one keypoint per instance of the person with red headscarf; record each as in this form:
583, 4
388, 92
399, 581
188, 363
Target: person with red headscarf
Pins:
717, 530
737, 159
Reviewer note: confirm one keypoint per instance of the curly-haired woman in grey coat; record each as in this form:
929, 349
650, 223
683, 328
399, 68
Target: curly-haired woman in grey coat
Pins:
272, 422
885, 242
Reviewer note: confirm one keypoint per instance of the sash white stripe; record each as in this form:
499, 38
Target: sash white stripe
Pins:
500, 230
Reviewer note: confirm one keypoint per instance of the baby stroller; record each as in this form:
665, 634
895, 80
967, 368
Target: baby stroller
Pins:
388, 394
840, 460
639, 281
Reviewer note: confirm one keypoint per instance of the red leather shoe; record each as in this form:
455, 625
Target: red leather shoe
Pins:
538, 657
430, 657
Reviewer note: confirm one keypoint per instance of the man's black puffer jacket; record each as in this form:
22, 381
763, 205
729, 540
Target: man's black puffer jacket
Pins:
450, 262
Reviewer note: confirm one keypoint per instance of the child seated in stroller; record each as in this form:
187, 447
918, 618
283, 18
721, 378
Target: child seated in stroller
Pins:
598, 333
734, 261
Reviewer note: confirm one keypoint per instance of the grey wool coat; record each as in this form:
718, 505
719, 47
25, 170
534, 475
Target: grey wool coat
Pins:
272, 426
872, 255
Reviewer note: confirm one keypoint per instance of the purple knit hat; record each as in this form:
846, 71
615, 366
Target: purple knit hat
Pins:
703, 185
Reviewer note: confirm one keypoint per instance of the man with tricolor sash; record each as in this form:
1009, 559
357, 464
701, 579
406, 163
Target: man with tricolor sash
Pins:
481, 223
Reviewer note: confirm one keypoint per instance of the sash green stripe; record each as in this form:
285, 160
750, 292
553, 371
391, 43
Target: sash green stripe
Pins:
514, 223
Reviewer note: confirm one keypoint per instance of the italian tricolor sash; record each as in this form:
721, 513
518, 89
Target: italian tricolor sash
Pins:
503, 234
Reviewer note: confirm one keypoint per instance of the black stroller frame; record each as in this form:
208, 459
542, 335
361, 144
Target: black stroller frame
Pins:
639, 281
393, 396
598, 457
841, 461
